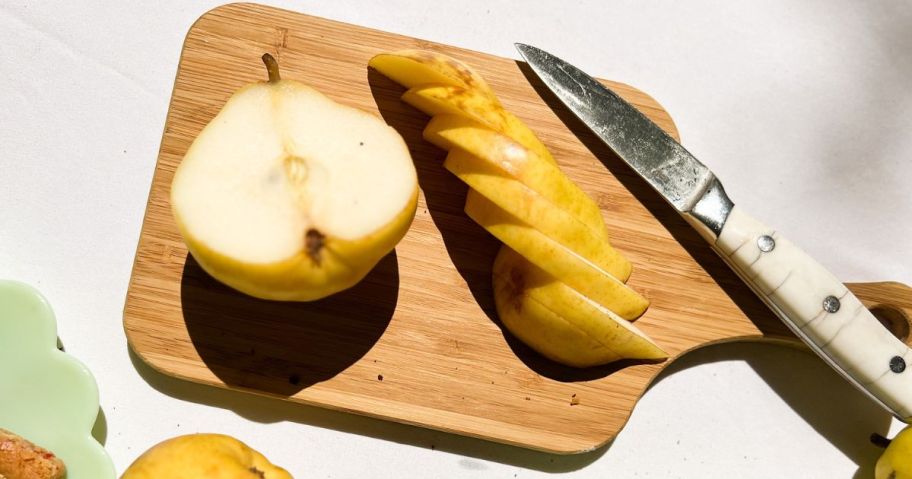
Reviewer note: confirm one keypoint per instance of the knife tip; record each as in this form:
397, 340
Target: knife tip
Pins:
524, 49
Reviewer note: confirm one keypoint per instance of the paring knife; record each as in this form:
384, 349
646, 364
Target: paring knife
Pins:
815, 305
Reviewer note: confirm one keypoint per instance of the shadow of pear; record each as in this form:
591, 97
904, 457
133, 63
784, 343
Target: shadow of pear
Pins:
281, 347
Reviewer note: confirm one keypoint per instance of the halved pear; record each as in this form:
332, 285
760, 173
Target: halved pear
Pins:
410, 68
532, 208
288, 195
559, 322
559, 261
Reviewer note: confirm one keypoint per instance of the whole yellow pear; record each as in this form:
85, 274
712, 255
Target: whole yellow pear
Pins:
203, 456
896, 460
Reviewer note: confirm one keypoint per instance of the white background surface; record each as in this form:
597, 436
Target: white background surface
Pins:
803, 108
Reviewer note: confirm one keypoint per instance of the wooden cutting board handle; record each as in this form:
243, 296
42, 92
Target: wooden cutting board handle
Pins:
891, 303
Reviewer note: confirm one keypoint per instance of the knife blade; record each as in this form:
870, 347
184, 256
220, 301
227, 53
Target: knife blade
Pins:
812, 302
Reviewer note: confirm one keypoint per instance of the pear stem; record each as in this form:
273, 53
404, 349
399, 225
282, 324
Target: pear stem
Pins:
879, 440
272, 67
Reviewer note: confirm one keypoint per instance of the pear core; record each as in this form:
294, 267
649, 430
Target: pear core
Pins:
284, 170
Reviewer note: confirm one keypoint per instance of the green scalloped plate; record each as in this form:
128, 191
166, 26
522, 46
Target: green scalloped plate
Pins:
46, 395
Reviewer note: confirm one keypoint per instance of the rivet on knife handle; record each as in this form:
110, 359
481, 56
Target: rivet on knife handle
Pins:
820, 310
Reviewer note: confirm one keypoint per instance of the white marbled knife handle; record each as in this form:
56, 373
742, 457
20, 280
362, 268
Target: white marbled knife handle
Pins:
820, 310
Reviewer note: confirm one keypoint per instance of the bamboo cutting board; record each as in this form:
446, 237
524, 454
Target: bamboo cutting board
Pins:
418, 341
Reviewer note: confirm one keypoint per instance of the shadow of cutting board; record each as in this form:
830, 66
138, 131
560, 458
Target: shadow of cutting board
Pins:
418, 341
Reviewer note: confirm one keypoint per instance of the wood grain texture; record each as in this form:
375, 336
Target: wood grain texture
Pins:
417, 341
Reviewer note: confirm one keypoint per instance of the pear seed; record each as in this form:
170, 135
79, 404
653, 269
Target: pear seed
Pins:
313, 244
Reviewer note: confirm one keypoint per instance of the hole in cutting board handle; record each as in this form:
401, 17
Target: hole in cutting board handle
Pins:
891, 303
893, 319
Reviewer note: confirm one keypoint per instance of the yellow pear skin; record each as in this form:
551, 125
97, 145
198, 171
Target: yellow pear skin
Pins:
562, 263
452, 132
451, 106
896, 460
299, 278
436, 100
528, 206
203, 456
411, 68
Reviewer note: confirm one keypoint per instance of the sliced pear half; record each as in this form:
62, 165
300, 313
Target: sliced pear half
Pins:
558, 321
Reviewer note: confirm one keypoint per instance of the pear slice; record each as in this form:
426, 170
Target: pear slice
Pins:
451, 100
289, 195
410, 68
452, 131
532, 208
559, 261
559, 322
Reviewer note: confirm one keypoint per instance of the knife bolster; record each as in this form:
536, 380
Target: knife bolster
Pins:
709, 213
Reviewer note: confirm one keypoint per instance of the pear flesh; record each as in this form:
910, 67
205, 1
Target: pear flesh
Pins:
287, 194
